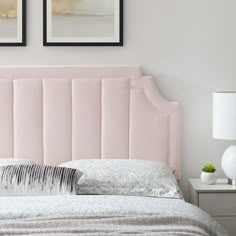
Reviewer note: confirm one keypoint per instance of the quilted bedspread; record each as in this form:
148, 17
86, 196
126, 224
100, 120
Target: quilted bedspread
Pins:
103, 215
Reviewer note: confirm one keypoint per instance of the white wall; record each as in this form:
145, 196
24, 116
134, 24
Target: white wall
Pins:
189, 46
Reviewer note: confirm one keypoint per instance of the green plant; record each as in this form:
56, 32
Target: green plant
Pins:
209, 168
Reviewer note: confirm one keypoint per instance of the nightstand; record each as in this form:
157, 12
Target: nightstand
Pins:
218, 200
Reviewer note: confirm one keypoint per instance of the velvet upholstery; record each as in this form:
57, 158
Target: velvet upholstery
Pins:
56, 114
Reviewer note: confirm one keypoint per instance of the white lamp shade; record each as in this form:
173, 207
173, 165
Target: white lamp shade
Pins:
224, 115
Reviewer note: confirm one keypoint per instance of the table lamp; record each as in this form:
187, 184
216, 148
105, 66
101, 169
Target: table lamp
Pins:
224, 127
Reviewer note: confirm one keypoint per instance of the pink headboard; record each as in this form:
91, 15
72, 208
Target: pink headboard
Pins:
56, 114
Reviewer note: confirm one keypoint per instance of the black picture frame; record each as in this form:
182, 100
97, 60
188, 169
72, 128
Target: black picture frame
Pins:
45, 26
23, 41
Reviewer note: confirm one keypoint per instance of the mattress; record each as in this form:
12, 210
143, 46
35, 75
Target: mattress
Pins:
103, 215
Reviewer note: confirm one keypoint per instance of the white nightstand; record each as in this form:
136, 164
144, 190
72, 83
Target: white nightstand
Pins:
218, 200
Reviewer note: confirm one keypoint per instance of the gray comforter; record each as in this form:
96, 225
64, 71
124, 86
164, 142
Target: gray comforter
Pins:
103, 215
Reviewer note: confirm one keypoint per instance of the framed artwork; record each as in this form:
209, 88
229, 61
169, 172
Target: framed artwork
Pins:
12, 22
83, 23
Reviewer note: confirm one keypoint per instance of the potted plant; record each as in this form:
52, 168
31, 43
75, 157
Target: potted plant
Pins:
208, 175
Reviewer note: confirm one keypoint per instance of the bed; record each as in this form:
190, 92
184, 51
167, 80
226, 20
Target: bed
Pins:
60, 114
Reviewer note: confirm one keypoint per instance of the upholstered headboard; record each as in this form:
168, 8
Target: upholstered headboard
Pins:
55, 114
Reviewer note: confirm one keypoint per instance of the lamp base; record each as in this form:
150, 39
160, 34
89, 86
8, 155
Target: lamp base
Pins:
229, 164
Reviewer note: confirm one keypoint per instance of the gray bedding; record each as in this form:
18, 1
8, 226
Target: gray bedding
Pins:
103, 215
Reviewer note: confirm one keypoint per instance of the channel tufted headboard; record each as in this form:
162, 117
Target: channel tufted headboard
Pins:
58, 113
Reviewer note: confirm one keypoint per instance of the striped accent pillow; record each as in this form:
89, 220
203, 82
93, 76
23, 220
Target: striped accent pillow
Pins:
22, 180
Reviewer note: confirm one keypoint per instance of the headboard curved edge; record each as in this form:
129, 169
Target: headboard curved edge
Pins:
173, 111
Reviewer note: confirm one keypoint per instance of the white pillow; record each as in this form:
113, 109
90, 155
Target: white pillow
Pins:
15, 161
126, 177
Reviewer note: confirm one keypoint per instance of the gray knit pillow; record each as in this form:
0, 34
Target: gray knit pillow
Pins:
18, 180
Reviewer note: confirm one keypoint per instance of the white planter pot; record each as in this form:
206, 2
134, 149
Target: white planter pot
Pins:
208, 178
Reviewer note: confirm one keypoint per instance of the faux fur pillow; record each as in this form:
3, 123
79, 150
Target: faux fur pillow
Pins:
22, 180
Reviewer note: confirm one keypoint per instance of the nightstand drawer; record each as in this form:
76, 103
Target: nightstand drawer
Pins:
218, 204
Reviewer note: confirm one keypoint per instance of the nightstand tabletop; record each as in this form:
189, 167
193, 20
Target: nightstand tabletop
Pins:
220, 186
